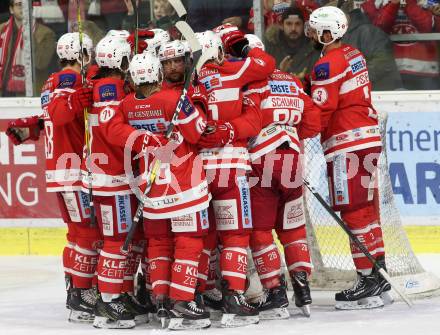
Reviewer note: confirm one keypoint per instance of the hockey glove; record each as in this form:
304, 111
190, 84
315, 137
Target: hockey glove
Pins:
21, 130
236, 44
80, 99
217, 134
199, 96
142, 44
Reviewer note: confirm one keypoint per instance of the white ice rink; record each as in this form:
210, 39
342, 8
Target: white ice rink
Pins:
32, 301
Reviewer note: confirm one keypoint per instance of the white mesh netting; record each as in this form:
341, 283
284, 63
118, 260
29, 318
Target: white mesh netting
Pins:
333, 265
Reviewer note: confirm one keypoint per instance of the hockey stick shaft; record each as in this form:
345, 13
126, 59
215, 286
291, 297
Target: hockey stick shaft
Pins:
358, 243
151, 177
135, 4
86, 117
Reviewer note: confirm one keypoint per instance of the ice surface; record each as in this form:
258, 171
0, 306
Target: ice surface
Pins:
32, 299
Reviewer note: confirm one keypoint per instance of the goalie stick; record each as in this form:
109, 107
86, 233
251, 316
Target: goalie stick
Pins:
86, 118
358, 243
189, 35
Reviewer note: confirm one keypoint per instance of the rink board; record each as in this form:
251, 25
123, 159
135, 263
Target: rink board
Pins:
27, 212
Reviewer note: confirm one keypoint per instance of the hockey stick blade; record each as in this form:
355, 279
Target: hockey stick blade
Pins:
358, 243
189, 35
178, 7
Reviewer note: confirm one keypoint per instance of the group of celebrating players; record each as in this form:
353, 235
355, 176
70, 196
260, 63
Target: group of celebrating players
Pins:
230, 173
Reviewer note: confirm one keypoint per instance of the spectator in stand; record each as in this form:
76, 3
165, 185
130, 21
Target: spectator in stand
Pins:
144, 15
287, 43
417, 62
376, 46
273, 9
12, 68
207, 14
108, 14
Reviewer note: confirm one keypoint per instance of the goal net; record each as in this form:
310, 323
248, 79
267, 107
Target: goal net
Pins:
329, 245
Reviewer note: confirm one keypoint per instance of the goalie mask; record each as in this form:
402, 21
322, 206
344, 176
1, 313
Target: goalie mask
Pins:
145, 68
68, 47
329, 18
111, 51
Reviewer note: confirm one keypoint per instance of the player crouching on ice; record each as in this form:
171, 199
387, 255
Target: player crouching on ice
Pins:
175, 209
63, 100
350, 139
289, 115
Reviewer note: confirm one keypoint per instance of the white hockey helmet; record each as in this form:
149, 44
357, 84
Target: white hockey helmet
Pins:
68, 46
173, 49
111, 51
145, 68
211, 44
118, 33
160, 37
329, 18
254, 41
224, 29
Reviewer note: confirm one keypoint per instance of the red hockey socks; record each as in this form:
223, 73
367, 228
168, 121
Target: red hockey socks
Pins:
160, 253
133, 260
233, 260
184, 271
111, 268
266, 258
296, 250
85, 256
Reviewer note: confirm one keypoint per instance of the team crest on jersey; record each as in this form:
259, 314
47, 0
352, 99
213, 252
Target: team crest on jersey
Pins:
107, 92
67, 80
357, 64
213, 81
322, 71
283, 87
106, 115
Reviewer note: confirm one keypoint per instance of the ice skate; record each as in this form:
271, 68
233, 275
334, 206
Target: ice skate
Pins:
113, 315
272, 305
81, 304
301, 291
213, 299
236, 311
139, 311
363, 295
385, 287
163, 307
188, 315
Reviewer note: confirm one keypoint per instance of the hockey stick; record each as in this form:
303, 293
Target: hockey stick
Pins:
189, 35
179, 8
86, 117
135, 4
358, 243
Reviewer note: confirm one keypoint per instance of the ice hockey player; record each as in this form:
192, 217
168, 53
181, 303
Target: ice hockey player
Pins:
289, 115
63, 100
351, 141
174, 58
175, 212
113, 197
232, 120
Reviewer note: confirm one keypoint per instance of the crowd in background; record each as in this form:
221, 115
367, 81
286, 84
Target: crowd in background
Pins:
392, 65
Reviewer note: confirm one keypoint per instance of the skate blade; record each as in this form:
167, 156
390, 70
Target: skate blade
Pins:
234, 320
103, 322
182, 324
305, 310
80, 317
275, 314
387, 298
365, 303
141, 318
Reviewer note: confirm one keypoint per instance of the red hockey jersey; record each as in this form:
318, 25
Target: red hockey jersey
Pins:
289, 114
224, 84
107, 161
180, 187
341, 88
64, 132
